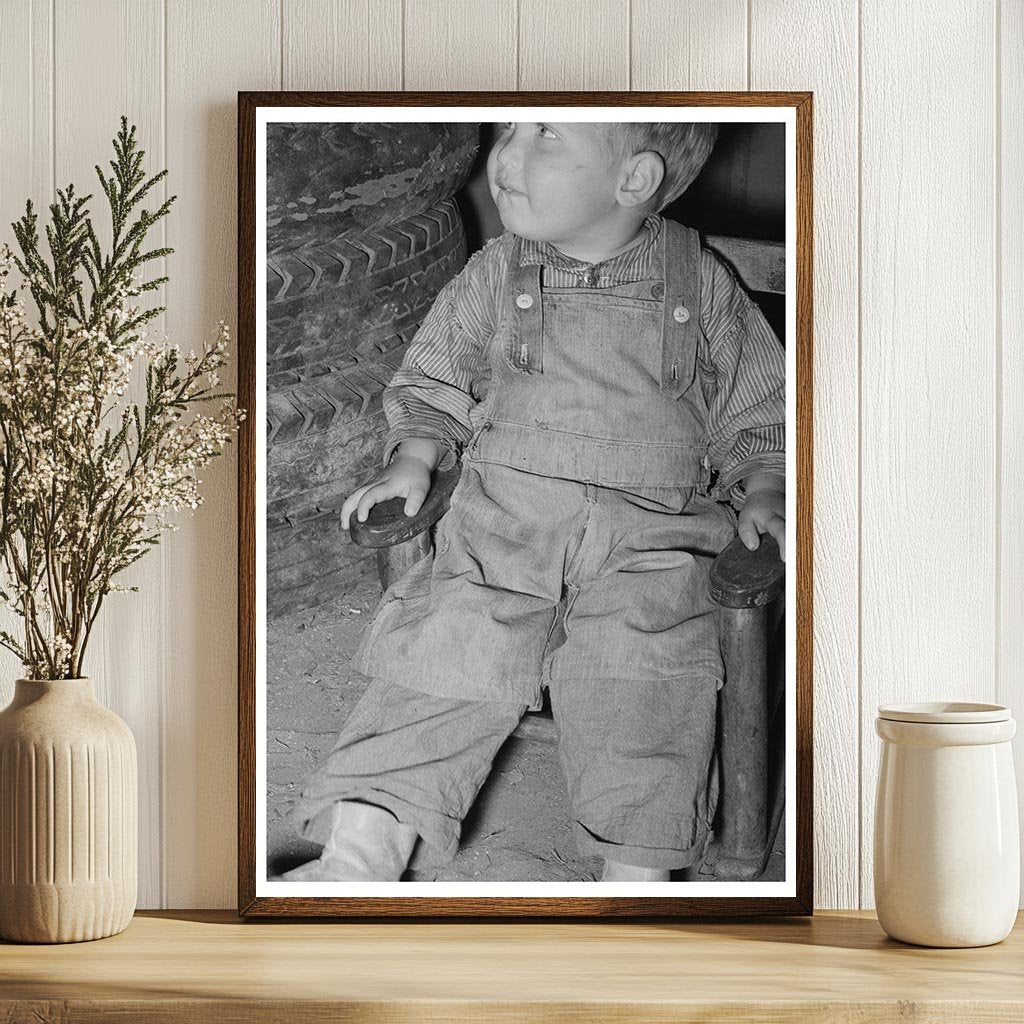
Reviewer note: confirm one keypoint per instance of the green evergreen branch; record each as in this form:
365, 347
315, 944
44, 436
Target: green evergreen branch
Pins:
76, 495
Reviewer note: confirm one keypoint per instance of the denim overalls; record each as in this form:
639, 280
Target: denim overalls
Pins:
574, 556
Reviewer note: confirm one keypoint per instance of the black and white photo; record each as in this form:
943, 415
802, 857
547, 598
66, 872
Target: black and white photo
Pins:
524, 486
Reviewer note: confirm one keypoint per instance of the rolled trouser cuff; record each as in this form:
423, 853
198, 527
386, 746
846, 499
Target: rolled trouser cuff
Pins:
641, 767
439, 833
590, 843
423, 758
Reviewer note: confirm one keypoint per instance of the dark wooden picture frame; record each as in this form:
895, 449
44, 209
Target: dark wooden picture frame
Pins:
798, 743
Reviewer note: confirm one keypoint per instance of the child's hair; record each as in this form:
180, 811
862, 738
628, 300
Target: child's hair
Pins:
684, 147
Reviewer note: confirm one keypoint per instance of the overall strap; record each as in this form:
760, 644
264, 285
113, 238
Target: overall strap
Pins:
527, 335
681, 317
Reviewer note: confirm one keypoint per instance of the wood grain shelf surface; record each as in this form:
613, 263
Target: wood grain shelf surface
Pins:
199, 966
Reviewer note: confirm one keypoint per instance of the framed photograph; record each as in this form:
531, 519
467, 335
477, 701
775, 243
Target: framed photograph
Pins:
525, 504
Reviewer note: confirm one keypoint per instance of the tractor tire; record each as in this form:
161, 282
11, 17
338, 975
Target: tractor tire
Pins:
357, 297
326, 180
339, 317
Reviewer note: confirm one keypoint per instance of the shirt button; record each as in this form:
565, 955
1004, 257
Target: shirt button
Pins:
657, 290
524, 301
680, 314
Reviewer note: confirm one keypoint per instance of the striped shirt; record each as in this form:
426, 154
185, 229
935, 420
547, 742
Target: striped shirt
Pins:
739, 360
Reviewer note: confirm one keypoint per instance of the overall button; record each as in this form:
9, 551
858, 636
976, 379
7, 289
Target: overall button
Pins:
680, 314
524, 301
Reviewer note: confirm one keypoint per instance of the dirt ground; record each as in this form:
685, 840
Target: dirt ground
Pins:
519, 827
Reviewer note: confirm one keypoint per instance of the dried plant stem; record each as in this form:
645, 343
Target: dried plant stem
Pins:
87, 478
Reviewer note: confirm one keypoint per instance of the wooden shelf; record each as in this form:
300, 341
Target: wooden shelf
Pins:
199, 966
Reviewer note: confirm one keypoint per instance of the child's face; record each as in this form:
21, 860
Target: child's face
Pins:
555, 183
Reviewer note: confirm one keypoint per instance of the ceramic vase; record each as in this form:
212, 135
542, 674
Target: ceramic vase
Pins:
68, 815
947, 846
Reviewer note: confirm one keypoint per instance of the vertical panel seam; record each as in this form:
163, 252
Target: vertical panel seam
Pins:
280, 41
750, 59
401, 42
998, 332
161, 710
860, 451
32, 64
519, 43
53, 99
629, 44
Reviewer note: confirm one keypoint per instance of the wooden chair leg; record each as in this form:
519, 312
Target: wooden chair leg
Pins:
741, 848
392, 562
536, 726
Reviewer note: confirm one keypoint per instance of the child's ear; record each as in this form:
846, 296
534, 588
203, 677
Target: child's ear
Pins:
642, 178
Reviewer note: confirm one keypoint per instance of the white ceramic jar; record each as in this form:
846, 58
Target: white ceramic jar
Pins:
947, 846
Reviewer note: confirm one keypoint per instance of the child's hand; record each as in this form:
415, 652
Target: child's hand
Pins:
764, 512
407, 476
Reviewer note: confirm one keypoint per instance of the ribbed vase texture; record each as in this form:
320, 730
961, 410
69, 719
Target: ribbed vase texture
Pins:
68, 815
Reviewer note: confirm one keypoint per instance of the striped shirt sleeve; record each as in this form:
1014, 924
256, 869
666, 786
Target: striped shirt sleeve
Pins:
432, 393
744, 367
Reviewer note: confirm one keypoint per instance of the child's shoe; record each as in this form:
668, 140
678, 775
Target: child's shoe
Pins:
616, 872
366, 844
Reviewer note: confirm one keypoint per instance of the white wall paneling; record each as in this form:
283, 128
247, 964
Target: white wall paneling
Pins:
213, 51
574, 44
26, 167
342, 44
928, 413
1009, 368
701, 44
919, 302
470, 44
26, 106
128, 666
829, 69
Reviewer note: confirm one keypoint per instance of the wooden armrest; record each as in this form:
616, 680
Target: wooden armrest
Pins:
387, 524
741, 578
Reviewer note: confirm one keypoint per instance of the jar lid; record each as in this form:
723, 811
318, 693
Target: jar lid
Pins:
944, 712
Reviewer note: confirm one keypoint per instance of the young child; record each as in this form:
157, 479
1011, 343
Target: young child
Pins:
592, 366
